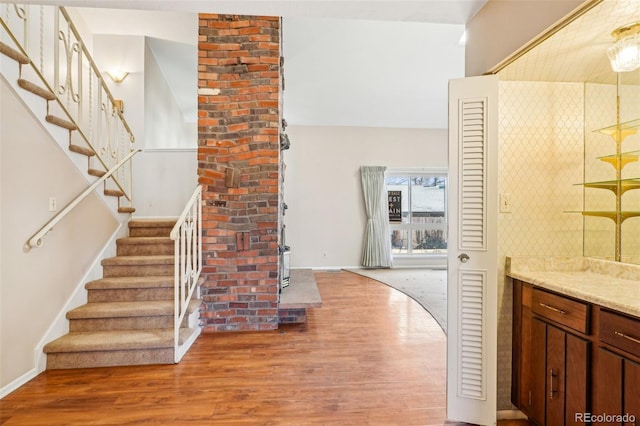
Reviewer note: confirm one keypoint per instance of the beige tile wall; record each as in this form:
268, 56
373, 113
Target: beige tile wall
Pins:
540, 159
600, 112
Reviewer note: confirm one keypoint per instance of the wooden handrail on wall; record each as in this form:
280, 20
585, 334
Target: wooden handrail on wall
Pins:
36, 239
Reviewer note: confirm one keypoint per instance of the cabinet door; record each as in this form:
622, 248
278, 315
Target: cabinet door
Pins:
555, 376
538, 370
525, 385
607, 383
576, 379
632, 392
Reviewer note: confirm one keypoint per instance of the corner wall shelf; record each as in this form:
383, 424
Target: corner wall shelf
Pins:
618, 186
622, 159
621, 130
615, 186
617, 217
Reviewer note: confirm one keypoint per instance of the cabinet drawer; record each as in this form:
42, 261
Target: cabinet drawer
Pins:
562, 310
620, 331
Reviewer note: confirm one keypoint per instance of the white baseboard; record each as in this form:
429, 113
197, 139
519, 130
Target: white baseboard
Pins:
60, 325
6, 390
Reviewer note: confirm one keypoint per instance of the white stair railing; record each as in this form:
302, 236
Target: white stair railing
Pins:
187, 236
61, 63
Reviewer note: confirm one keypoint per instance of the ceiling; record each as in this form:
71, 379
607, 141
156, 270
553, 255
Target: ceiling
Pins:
577, 52
172, 28
434, 11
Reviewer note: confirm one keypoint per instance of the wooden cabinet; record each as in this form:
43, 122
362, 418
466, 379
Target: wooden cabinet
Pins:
631, 392
572, 359
616, 387
553, 362
616, 378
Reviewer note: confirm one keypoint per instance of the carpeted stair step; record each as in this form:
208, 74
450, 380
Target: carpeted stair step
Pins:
113, 192
81, 150
145, 246
36, 90
60, 122
14, 54
151, 228
130, 315
137, 266
126, 209
130, 289
96, 172
104, 316
115, 348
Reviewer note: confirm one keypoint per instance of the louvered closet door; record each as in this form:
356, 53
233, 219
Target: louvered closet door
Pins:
472, 250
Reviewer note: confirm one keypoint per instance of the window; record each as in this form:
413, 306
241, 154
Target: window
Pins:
421, 226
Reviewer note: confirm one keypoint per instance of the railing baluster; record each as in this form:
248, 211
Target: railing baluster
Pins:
56, 52
39, 32
60, 74
183, 264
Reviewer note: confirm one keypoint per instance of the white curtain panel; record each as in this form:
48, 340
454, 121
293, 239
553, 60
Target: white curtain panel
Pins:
377, 241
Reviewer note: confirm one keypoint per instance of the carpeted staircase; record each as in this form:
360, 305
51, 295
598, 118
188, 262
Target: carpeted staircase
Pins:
46, 94
128, 319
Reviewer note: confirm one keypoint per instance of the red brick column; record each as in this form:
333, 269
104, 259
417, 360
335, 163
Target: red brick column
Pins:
238, 166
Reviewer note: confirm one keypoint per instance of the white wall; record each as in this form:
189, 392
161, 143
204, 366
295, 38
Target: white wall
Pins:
168, 179
126, 53
37, 285
342, 72
163, 119
502, 27
165, 174
358, 93
322, 185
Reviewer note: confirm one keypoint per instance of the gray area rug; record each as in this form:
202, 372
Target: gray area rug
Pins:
428, 287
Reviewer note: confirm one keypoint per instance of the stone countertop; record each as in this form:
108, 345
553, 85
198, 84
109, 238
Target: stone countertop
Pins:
609, 284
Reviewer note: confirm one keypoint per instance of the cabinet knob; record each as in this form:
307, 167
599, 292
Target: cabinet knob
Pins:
464, 257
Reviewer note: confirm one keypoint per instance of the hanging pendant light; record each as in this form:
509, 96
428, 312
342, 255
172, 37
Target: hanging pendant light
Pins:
624, 55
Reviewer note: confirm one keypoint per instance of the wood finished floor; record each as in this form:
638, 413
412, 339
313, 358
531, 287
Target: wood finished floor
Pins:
370, 355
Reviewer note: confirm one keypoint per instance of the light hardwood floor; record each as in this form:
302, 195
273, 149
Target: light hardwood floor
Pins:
370, 355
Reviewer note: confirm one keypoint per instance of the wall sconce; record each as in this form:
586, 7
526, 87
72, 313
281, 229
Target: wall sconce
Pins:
624, 55
117, 75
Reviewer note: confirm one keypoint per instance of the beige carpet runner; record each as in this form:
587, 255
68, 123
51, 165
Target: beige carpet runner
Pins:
428, 287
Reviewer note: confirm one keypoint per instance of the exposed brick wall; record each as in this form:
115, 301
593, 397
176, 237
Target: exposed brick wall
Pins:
238, 166
292, 316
